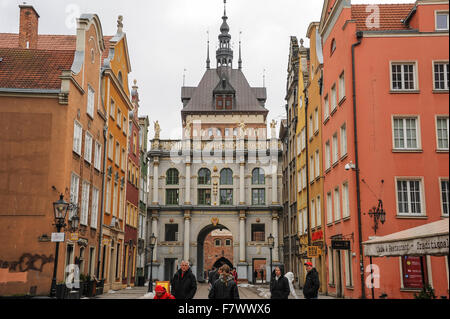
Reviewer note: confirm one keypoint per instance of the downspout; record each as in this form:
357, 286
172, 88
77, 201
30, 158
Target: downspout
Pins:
307, 168
105, 134
359, 36
289, 184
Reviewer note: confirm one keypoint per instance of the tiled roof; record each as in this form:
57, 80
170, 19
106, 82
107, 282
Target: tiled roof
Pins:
33, 69
391, 16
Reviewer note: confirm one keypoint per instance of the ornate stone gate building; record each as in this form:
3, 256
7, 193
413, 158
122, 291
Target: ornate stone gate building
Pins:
223, 174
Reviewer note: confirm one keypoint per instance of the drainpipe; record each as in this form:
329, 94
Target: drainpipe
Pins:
289, 186
307, 168
359, 36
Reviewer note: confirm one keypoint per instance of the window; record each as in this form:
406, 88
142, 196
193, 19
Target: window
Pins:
409, 197
343, 139
405, 133
313, 213
442, 133
341, 86
319, 212
235, 132
119, 118
316, 120
217, 243
117, 157
227, 242
108, 196
98, 155
329, 208
311, 128
403, 76
112, 109
91, 101
115, 193
111, 147
124, 160
337, 204
333, 98
413, 265
311, 169
441, 75
333, 45
345, 201
204, 197
317, 164
330, 266
226, 177
219, 102
299, 181
210, 132
88, 147
327, 155
91, 266
258, 196
172, 177
172, 196
348, 268
258, 232
304, 177
84, 204
445, 197
121, 203
303, 139
326, 108
125, 125
94, 214
171, 232
299, 144
227, 132
74, 188
219, 132
335, 148
441, 21
77, 137
258, 176
204, 177
226, 197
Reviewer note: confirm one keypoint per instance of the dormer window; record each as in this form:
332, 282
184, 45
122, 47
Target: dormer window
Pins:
219, 102
224, 102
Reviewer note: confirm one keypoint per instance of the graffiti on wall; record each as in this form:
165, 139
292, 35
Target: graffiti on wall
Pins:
27, 262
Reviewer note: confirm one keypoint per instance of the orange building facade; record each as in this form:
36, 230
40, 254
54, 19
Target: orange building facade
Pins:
386, 127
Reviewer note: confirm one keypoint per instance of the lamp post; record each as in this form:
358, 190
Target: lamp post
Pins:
271, 241
378, 214
152, 246
60, 210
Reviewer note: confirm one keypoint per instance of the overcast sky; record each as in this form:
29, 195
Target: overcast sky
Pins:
167, 36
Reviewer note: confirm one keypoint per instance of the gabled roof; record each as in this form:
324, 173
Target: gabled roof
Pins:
391, 16
33, 69
45, 41
201, 97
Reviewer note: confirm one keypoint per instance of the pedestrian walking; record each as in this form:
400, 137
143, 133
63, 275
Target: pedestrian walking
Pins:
225, 287
255, 276
161, 293
214, 275
312, 282
184, 283
261, 272
290, 278
279, 285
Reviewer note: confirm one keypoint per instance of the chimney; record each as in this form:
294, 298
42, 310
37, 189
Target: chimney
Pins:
28, 31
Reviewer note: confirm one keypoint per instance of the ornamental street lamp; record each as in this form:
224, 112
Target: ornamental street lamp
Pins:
152, 246
60, 210
271, 241
378, 214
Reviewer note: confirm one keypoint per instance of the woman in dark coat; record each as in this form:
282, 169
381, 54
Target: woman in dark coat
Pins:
279, 286
225, 287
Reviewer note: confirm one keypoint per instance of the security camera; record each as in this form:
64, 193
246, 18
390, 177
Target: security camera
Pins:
349, 166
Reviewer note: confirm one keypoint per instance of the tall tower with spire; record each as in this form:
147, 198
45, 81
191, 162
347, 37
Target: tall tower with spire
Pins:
224, 53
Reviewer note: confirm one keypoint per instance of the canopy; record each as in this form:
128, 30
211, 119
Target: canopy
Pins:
429, 239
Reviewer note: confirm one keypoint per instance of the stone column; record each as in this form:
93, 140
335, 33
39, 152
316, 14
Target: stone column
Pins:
187, 200
187, 232
275, 235
274, 183
155, 183
242, 184
242, 237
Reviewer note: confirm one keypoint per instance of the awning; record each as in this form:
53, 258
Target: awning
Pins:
429, 239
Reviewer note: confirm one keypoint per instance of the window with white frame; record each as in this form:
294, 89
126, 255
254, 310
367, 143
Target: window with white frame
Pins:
445, 196
343, 139
124, 160
319, 212
333, 103
305, 220
300, 187
335, 148
111, 147
91, 101
337, 204
441, 21
77, 137
317, 164
119, 118
311, 169
94, 213
300, 222
125, 125
330, 266
406, 133
108, 196
403, 76
329, 208
327, 155
74, 188
409, 197
326, 108
442, 126
441, 75
84, 204
304, 177
310, 125
117, 155
121, 203
341, 86
88, 147
345, 201
299, 144
115, 194
313, 213
316, 120
303, 138
348, 268
112, 109
97, 155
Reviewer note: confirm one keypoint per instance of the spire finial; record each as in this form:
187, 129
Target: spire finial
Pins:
208, 61
240, 55
224, 8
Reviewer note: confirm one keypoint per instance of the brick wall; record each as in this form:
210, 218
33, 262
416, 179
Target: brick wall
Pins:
213, 253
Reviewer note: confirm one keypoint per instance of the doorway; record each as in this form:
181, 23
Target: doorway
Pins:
169, 268
339, 288
259, 266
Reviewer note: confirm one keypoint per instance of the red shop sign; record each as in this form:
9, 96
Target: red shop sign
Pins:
412, 272
317, 235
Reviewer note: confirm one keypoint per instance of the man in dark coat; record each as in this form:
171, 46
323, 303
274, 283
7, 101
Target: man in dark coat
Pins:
225, 287
312, 282
279, 286
184, 283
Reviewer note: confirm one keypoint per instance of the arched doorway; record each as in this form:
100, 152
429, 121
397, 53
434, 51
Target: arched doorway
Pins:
200, 250
222, 261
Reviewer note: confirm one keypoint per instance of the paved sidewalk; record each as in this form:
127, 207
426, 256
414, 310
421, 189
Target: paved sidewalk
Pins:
128, 293
263, 290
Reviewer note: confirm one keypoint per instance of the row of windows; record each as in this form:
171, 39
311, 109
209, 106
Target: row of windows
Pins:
114, 197
133, 174
89, 144
121, 119
87, 196
115, 154
225, 195
227, 132
204, 177
132, 215
220, 242
332, 151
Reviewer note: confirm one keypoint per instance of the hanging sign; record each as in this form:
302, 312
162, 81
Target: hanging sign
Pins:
313, 252
58, 237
